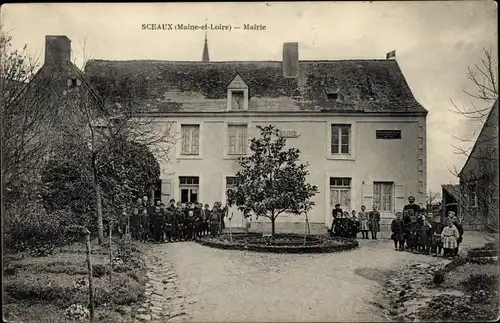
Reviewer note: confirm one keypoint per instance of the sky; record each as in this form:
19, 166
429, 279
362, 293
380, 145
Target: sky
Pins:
435, 43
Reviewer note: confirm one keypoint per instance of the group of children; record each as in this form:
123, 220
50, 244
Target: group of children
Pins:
427, 234
347, 226
177, 222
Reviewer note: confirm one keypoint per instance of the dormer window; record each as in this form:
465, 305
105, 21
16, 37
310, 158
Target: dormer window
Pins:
237, 95
238, 100
332, 94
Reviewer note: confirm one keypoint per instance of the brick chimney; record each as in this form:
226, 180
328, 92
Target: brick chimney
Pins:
57, 50
290, 60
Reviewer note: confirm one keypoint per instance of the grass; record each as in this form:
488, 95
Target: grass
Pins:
39, 289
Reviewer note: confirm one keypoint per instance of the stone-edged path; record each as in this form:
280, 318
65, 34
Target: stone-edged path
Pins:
164, 301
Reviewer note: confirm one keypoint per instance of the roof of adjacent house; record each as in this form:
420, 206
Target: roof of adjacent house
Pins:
491, 121
361, 85
453, 190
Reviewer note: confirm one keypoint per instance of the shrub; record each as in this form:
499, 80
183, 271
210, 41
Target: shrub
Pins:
36, 231
482, 282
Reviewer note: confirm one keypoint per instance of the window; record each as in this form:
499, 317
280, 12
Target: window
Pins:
188, 186
332, 95
340, 139
382, 196
189, 180
230, 182
190, 139
237, 141
472, 196
340, 192
238, 100
157, 192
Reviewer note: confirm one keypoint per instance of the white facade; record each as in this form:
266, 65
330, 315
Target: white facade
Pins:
365, 171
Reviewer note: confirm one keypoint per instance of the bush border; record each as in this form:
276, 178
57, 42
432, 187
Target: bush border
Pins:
348, 244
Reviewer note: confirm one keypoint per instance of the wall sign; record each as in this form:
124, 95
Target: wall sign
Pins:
388, 134
289, 133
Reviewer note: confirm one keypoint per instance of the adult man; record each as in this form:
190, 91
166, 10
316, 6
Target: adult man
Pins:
409, 210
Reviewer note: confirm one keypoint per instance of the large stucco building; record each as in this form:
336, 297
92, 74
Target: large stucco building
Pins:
355, 121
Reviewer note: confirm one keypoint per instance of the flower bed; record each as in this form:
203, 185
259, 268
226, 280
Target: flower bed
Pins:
283, 243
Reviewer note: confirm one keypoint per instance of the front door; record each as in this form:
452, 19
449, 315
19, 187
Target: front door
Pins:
237, 218
340, 193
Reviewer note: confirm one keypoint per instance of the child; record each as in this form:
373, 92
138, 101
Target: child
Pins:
354, 224
435, 232
449, 236
374, 218
397, 228
363, 218
425, 235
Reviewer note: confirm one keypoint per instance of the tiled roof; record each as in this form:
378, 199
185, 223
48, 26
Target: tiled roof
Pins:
363, 85
453, 190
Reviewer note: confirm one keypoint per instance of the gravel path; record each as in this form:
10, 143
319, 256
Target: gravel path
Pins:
226, 285
214, 285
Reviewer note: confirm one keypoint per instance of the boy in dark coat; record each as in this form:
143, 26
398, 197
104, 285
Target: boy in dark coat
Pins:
435, 231
135, 224
336, 214
198, 219
206, 219
169, 221
145, 225
215, 218
398, 232
425, 236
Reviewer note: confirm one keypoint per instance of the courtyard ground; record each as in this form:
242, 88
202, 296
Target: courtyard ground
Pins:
225, 285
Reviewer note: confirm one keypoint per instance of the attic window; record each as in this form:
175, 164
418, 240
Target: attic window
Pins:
238, 100
332, 95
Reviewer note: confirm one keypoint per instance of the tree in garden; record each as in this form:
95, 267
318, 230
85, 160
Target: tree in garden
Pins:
270, 182
127, 171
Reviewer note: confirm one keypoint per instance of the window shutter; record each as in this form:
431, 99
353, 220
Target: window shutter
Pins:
166, 190
400, 198
367, 196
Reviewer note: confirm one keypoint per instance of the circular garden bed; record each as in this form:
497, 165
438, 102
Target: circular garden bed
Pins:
283, 243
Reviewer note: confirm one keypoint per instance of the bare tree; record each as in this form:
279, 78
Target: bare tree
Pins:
479, 184
26, 121
432, 198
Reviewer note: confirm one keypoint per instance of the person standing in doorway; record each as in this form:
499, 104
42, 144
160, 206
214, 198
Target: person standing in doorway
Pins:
363, 219
374, 219
336, 214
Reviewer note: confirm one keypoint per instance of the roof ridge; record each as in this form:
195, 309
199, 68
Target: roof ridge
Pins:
242, 61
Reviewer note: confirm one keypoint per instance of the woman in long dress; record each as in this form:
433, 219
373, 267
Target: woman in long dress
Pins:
449, 236
363, 219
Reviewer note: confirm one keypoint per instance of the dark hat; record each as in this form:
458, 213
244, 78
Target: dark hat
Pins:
337, 205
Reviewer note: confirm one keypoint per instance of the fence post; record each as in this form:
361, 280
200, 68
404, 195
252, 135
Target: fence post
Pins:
91, 283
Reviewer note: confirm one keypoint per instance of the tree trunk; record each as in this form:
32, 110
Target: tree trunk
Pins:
98, 197
91, 283
272, 228
110, 253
